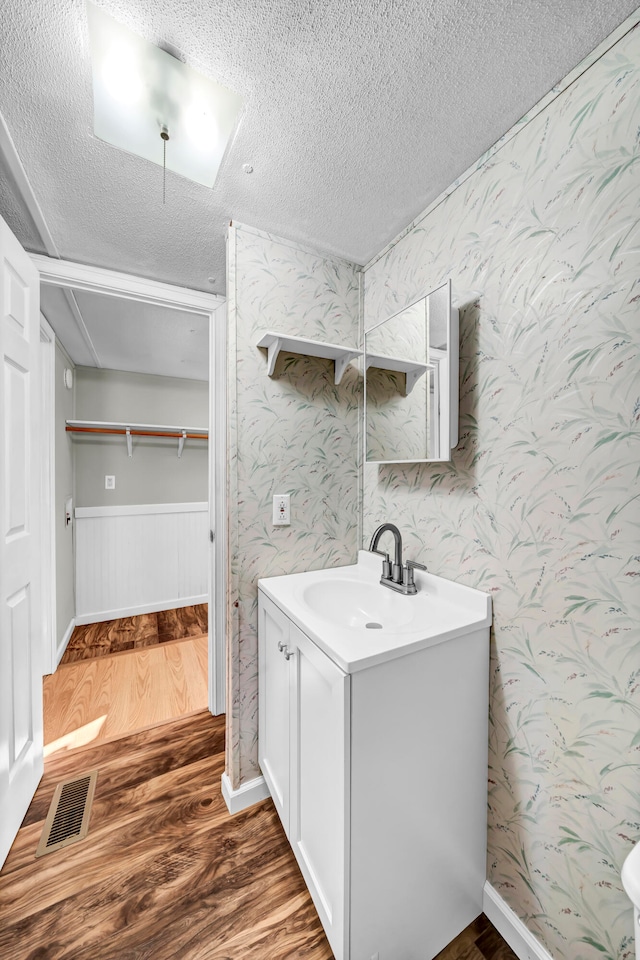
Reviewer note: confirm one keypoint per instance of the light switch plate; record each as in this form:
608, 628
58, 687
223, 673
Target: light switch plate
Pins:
281, 509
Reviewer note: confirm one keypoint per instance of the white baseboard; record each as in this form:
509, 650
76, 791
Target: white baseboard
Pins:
510, 926
62, 644
102, 615
245, 796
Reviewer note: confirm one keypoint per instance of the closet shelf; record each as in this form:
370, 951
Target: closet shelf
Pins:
275, 342
130, 430
412, 368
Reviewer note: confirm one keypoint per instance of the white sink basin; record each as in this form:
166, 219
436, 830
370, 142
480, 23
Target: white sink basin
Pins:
368, 606
359, 622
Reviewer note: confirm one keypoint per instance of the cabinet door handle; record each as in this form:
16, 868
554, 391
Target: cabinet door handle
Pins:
281, 646
287, 654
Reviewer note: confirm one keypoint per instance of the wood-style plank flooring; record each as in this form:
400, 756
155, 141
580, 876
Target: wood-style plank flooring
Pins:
165, 871
112, 696
131, 633
479, 941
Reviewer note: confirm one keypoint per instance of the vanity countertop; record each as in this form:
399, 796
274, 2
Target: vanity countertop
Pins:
359, 623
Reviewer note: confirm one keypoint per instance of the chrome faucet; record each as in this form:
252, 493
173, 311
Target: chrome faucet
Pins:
396, 577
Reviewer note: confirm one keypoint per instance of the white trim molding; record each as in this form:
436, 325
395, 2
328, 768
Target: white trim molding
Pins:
141, 509
103, 615
218, 513
253, 791
510, 926
62, 645
48, 496
80, 276
25, 190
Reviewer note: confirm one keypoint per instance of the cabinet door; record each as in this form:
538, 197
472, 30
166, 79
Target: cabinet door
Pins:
273, 718
320, 784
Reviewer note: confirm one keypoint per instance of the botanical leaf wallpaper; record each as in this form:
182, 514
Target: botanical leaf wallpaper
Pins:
540, 505
295, 433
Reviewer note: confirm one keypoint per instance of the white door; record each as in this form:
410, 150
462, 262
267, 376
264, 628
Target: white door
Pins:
21, 738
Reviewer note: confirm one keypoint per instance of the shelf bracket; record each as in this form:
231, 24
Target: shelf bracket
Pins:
181, 442
129, 442
412, 378
272, 356
341, 364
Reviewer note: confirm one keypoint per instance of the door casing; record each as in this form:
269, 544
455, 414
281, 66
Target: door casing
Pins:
48, 504
78, 276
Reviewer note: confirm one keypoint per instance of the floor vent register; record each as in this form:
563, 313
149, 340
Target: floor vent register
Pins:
68, 817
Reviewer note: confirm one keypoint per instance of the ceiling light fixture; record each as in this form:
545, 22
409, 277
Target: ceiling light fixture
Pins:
141, 92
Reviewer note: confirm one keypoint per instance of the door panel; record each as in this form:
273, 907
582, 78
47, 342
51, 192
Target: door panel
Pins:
320, 761
16, 392
22, 734
21, 741
273, 732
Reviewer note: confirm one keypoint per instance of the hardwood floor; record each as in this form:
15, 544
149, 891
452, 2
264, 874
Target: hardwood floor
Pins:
106, 697
131, 633
183, 622
479, 941
165, 871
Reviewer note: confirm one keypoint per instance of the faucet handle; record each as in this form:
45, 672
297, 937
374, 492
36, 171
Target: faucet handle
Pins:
407, 573
386, 563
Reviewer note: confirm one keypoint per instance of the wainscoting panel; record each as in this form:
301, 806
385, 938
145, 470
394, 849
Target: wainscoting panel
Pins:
139, 559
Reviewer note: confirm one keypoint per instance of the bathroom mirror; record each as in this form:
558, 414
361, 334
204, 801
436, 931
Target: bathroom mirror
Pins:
411, 382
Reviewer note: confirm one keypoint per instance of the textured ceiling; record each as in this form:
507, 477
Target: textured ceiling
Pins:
357, 115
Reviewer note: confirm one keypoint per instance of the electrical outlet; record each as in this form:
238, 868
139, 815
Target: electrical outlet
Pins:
281, 509
109, 483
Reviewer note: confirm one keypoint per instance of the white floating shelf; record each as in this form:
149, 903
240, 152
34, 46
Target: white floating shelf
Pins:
275, 342
411, 368
130, 430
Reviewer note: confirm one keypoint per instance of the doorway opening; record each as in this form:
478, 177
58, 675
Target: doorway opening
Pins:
139, 520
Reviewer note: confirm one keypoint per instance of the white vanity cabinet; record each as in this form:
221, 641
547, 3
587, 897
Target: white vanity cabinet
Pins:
378, 769
304, 756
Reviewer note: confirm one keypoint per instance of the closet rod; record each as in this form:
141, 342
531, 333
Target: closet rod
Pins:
137, 433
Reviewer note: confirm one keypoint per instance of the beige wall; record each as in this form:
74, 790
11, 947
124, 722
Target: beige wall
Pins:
64, 487
154, 474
